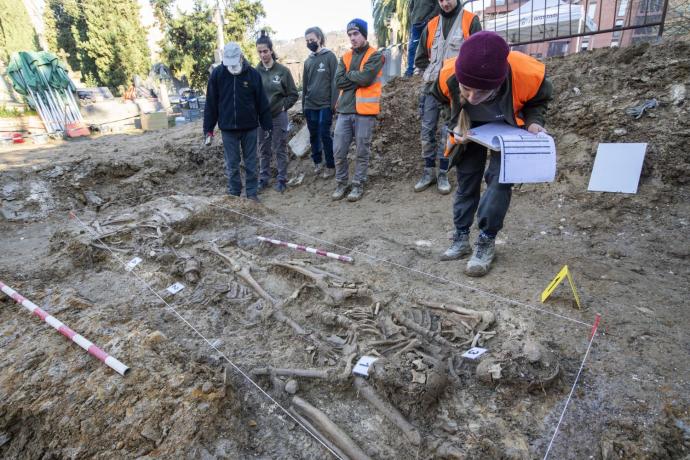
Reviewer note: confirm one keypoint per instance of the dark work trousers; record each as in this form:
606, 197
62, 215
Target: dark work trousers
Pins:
431, 131
319, 124
492, 206
240, 145
275, 143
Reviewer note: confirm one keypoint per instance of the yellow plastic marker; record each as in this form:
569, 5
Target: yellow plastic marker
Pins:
556, 281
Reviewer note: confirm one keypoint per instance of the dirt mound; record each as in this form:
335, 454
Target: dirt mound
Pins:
592, 90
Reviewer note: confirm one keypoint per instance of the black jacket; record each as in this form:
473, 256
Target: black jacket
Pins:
236, 102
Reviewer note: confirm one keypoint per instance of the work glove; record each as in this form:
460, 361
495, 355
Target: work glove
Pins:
208, 140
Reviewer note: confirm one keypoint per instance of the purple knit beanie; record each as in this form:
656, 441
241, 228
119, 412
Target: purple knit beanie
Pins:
483, 61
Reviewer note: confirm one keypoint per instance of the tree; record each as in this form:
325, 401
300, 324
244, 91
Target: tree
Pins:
104, 39
61, 18
241, 25
16, 31
161, 10
190, 39
189, 43
383, 12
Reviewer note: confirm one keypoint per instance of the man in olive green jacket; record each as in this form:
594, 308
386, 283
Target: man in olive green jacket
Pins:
358, 78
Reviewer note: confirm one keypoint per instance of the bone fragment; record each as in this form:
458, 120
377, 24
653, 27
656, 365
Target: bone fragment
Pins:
388, 410
245, 274
192, 269
321, 280
426, 333
329, 429
320, 436
310, 373
482, 319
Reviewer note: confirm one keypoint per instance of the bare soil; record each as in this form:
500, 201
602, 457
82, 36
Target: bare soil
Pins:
160, 196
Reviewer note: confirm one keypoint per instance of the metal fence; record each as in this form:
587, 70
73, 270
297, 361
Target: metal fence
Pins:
555, 27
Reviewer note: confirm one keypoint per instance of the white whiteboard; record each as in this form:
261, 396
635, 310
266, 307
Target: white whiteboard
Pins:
617, 168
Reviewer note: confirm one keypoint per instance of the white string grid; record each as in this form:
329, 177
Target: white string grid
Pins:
377, 259
208, 342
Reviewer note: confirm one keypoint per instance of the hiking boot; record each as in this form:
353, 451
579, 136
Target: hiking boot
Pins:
459, 249
428, 178
356, 192
254, 198
442, 183
328, 172
339, 192
480, 262
280, 187
263, 185
318, 168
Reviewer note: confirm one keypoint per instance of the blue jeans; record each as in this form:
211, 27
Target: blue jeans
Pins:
319, 124
232, 142
415, 34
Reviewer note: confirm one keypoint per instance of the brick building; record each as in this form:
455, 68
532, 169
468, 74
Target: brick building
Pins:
557, 20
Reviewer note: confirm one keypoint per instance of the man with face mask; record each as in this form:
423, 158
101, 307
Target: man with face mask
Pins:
236, 100
319, 94
441, 39
487, 83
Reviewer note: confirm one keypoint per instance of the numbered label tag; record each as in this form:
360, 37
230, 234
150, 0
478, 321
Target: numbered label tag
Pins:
175, 288
132, 263
363, 365
474, 353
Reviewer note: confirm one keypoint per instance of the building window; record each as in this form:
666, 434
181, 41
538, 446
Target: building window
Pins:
592, 10
584, 46
650, 6
500, 2
557, 48
623, 8
617, 33
647, 19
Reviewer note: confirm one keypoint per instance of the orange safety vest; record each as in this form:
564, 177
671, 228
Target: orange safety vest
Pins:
367, 98
467, 19
447, 70
527, 77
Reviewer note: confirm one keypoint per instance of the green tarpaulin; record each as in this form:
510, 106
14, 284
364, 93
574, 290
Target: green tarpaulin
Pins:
37, 70
42, 80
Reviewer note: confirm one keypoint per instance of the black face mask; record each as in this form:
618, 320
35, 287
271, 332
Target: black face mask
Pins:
313, 46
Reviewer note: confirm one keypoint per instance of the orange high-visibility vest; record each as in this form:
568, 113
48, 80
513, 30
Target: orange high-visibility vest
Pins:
367, 98
432, 26
527, 76
447, 70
